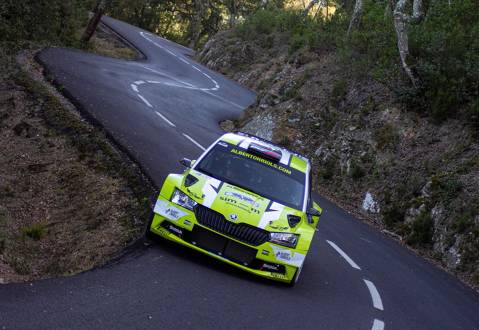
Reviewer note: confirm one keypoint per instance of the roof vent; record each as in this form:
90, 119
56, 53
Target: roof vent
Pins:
265, 152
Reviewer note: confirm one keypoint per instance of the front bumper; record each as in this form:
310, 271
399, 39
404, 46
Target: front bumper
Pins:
268, 260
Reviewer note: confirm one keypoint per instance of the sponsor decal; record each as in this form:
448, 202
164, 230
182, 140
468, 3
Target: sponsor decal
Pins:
283, 255
277, 227
289, 257
169, 211
242, 197
187, 222
270, 267
261, 160
175, 230
278, 275
233, 217
265, 253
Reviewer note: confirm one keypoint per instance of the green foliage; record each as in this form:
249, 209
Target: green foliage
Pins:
339, 91
3, 233
372, 48
329, 168
446, 48
356, 171
386, 137
43, 21
445, 187
298, 32
393, 214
421, 230
35, 231
463, 223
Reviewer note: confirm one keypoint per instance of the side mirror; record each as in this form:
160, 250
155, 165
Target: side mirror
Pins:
186, 162
314, 213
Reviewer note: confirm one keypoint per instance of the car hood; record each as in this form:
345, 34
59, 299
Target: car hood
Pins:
239, 205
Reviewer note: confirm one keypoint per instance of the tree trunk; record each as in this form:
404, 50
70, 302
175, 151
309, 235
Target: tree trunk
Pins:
356, 17
401, 22
94, 21
195, 25
233, 12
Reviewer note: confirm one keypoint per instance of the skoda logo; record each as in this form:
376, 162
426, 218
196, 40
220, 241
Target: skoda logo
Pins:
233, 217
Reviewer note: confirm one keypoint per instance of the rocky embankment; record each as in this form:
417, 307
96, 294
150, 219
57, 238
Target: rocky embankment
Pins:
413, 178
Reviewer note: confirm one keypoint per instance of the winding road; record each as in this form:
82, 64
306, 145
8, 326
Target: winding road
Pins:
167, 106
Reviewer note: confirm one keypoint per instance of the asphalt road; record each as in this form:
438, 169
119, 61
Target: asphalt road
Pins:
165, 107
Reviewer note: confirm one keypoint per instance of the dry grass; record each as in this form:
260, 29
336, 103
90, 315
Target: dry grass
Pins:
105, 42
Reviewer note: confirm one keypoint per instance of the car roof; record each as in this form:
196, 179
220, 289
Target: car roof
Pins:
289, 158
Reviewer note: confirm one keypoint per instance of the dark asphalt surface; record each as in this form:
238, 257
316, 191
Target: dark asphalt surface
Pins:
166, 286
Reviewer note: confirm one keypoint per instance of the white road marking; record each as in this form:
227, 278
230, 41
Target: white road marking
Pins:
344, 255
145, 100
367, 241
377, 302
139, 82
225, 100
165, 119
134, 87
194, 142
183, 60
378, 325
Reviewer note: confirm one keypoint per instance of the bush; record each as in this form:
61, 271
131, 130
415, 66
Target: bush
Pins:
35, 232
446, 47
45, 21
421, 230
298, 31
386, 137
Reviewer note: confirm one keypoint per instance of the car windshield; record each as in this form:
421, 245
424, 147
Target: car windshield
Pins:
273, 181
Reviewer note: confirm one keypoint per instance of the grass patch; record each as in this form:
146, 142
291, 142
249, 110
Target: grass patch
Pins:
36, 231
386, 137
339, 91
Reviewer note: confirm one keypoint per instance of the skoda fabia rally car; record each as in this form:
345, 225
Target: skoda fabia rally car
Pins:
246, 202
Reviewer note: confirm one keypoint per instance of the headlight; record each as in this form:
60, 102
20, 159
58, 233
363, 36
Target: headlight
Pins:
183, 199
285, 239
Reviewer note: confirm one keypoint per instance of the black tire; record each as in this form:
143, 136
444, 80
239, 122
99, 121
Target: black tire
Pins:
148, 234
295, 277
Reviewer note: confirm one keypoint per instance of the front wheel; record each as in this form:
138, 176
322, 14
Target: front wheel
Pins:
296, 277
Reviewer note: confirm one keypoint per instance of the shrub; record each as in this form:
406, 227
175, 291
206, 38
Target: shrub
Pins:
50, 21
445, 187
339, 91
35, 231
386, 137
421, 230
446, 47
356, 171
393, 214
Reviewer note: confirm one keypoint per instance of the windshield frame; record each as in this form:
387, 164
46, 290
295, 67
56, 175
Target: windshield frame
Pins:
306, 174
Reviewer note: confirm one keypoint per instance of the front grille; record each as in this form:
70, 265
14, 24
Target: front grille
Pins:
242, 232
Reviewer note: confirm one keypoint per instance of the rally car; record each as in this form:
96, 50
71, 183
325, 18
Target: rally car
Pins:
246, 202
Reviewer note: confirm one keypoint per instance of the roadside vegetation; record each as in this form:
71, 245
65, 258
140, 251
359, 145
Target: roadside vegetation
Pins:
334, 84
69, 200
382, 95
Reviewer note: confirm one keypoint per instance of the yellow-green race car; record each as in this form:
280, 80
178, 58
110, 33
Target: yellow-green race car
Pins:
246, 202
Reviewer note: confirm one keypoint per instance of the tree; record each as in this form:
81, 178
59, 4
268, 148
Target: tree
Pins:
94, 20
401, 22
356, 16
